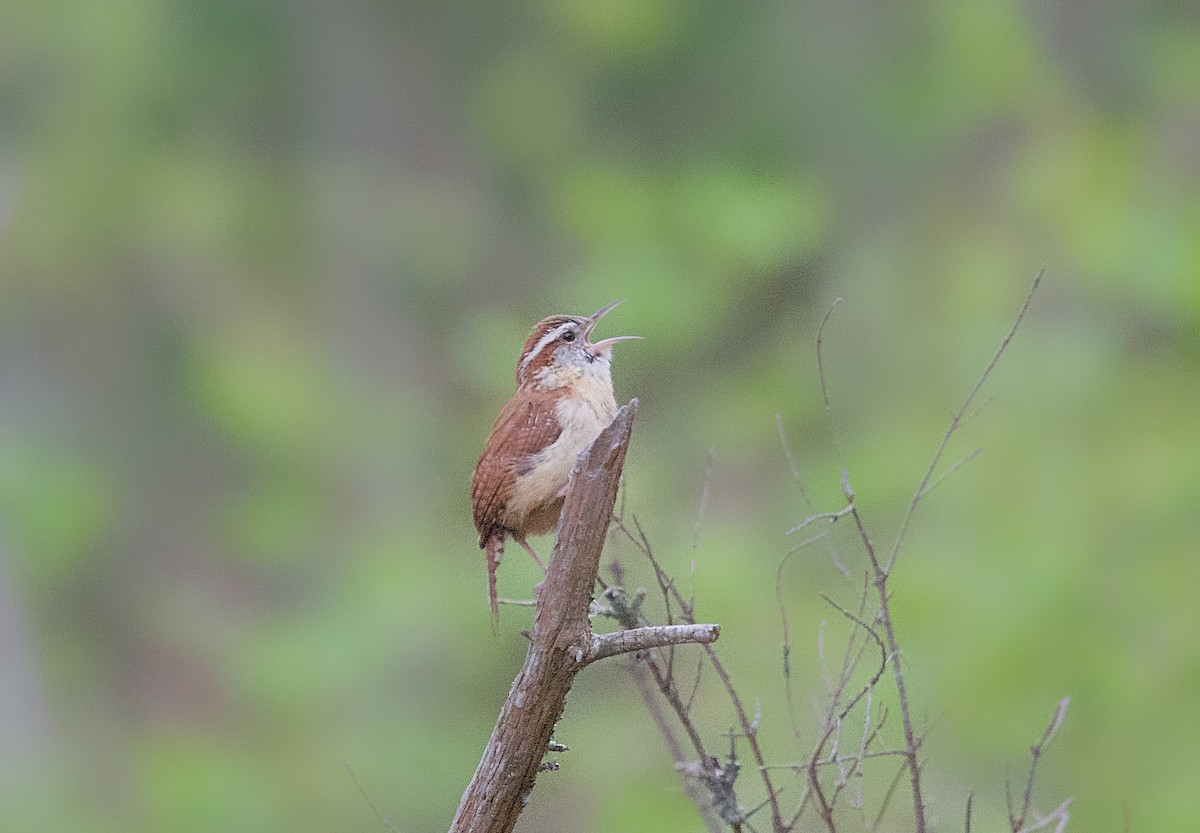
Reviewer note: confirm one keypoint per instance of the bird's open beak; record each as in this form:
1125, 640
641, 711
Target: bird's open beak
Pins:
606, 344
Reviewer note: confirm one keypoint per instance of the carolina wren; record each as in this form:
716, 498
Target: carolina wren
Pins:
564, 400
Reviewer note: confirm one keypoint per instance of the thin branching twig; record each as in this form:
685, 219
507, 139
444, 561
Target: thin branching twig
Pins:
367, 798
922, 489
880, 569
1017, 820
671, 594
841, 751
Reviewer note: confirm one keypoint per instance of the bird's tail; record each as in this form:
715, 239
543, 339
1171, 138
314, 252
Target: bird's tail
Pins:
494, 551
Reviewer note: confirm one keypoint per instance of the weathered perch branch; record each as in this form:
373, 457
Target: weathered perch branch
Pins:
645, 639
562, 642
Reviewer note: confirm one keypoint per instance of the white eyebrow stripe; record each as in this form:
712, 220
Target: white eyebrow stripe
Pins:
544, 340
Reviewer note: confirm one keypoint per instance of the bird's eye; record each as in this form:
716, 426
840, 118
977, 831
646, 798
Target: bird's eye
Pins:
568, 336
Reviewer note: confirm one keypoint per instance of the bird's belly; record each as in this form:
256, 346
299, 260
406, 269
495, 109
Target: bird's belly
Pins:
582, 419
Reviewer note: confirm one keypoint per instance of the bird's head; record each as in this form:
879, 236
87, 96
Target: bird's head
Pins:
561, 342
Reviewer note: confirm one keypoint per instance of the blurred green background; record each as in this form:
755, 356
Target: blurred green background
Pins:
265, 269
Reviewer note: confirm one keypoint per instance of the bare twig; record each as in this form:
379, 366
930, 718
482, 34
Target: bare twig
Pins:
881, 569
1058, 817
853, 654
716, 780
367, 799
645, 639
883, 654
695, 683
750, 733
779, 602
671, 594
670, 691
887, 796
629, 615
870, 628
825, 803
951, 470
790, 457
1016, 820
802, 544
820, 354
795, 470
843, 759
696, 791
958, 418
704, 493
719, 782
821, 516
911, 743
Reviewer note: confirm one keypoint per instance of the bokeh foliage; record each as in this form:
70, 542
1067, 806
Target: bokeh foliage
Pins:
264, 270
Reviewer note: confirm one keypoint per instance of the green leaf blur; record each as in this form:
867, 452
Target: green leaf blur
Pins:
265, 270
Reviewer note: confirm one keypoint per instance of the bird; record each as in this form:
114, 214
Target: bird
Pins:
564, 399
